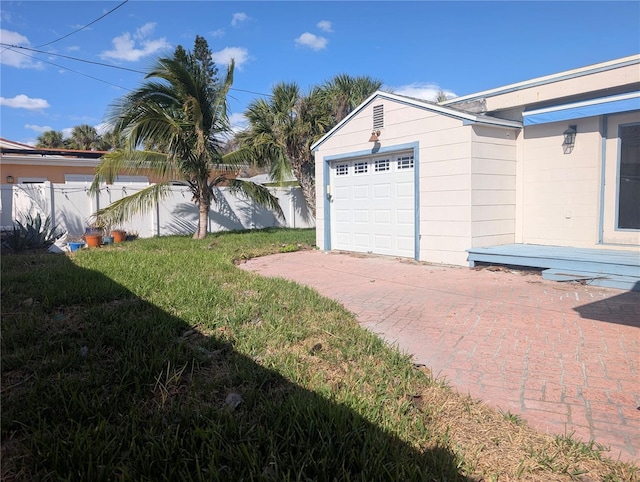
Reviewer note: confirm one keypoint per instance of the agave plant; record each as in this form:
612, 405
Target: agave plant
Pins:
34, 232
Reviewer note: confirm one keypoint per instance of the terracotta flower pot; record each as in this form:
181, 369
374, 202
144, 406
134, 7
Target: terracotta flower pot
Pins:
119, 235
93, 240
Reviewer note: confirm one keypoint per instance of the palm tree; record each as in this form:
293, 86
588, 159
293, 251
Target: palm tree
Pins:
110, 141
179, 113
282, 129
344, 93
85, 137
441, 96
281, 132
50, 139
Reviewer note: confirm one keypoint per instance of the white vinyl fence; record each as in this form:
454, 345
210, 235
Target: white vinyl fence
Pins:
70, 207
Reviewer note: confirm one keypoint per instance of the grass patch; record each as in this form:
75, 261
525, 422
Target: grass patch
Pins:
159, 359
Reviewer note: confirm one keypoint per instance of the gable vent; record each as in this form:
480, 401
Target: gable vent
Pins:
378, 116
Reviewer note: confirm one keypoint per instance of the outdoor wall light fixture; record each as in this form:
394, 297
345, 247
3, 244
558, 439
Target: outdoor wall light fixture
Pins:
374, 136
9, 179
570, 136
569, 139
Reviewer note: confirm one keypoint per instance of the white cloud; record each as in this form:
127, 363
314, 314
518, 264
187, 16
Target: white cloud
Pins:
238, 18
314, 42
66, 132
14, 38
103, 128
224, 56
325, 26
423, 91
73, 48
238, 122
38, 128
21, 101
13, 57
144, 31
217, 33
133, 47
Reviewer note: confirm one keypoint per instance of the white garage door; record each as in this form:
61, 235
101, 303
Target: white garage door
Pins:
372, 208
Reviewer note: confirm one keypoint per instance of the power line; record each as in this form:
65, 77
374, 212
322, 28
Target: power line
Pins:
74, 71
13, 47
101, 64
85, 26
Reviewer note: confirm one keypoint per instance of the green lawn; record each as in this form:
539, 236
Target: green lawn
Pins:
159, 359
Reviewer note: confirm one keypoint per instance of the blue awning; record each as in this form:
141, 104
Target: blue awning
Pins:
588, 108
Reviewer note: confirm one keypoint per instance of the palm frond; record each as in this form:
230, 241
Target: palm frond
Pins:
258, 193
239, 157
123, 160
136, 203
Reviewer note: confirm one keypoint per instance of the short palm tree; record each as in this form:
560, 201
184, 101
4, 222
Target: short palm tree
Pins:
50, 139
85, 137
183, 118
344, 93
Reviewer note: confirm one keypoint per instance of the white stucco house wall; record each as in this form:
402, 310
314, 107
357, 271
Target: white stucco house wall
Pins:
493, 168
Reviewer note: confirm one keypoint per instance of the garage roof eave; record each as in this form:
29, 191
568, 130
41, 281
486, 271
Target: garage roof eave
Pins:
495, 122
466, 117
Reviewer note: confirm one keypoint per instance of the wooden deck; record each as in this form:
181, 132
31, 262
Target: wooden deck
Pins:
609, 268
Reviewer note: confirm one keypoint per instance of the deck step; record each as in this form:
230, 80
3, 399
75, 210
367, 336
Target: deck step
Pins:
599, 267
629, 283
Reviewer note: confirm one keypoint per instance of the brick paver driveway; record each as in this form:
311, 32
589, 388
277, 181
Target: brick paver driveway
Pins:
564, 356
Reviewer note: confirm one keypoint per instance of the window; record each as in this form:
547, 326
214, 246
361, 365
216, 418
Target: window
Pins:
32, 180
131, 180
629, 178
360, 168
78, 178
405, 162
381, 165
342, 169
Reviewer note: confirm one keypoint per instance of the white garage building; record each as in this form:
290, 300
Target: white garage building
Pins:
553, 161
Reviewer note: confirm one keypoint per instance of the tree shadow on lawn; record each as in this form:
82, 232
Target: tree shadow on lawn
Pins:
99, 384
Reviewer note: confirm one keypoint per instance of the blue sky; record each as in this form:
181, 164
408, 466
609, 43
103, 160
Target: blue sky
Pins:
414, 48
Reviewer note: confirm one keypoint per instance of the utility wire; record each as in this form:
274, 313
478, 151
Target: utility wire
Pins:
74, 71
101, 64
13, 47
82, 28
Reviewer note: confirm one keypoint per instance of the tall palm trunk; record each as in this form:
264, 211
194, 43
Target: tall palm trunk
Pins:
305, 174
203, 219
204, 205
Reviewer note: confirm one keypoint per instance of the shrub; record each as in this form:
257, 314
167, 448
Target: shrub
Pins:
33, 233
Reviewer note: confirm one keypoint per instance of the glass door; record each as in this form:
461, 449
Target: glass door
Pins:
621, 215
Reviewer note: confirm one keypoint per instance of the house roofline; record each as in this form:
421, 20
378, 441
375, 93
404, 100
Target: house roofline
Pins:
466, 117
40, 160
19, 145
74, 153
548, 79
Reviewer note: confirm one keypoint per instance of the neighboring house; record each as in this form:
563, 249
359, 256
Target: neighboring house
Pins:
552, 161
22, 164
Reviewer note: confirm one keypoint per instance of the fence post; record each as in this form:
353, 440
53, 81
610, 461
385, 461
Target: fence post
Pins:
49, 195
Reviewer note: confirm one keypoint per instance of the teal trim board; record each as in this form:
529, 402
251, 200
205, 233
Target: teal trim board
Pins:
578, 110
